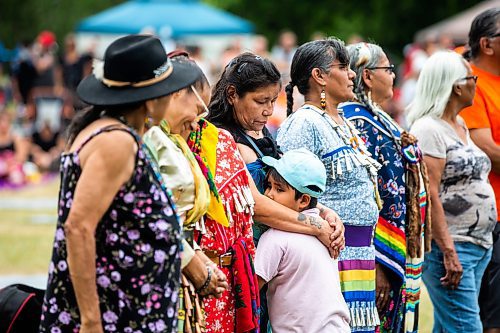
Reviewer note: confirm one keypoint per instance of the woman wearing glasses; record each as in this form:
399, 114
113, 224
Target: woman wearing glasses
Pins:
190, 191
320, 70
463, 202
398, 241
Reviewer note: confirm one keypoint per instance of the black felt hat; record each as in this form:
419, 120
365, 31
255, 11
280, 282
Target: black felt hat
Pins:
135, 68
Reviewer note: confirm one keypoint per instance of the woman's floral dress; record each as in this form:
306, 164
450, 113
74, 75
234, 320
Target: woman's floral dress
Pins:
137, 254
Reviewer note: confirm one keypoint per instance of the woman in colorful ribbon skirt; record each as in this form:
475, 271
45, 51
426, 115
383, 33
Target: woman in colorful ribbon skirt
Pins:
402, 186
320, 71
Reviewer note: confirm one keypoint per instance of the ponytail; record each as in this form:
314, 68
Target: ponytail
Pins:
289, 98
82, 120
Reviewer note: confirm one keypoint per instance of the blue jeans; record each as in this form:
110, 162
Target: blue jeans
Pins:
456, 310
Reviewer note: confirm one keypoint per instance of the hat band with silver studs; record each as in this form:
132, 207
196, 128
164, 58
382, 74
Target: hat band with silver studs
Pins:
161, 73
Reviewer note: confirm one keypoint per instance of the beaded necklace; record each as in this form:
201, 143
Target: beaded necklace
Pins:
349, 135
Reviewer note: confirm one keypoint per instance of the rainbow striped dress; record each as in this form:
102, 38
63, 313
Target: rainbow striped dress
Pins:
350, 191
379, 132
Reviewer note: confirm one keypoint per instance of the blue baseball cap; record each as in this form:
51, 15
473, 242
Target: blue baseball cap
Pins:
300, 168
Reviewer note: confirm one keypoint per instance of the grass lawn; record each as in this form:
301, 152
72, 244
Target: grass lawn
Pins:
426, 320
27, 232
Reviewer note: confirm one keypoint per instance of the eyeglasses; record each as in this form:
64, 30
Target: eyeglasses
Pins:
389, 68
206, 112
495, 35
472, 77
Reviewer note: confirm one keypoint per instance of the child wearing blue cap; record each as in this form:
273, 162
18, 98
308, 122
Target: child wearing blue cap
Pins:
303, 280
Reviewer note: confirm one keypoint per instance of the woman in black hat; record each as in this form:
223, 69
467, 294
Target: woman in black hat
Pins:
116, 260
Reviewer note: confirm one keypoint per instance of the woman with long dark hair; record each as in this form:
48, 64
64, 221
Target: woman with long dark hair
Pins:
242, 102
320, 70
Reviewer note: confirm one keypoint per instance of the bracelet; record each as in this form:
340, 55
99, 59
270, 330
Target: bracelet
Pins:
207, 281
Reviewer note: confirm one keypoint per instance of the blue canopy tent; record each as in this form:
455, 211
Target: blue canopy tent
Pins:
168, 18
5, 54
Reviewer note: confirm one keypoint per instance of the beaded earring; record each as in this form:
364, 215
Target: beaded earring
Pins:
322, 101
148, 122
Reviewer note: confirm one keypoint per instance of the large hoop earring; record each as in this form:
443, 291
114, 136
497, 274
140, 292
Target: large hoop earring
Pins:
322, 101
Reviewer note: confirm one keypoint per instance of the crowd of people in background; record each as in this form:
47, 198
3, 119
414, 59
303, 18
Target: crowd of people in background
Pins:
37, 90
307, 190
37, 102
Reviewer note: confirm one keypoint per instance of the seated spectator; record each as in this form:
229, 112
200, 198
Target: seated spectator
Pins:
304, 288
13, 153
46, 148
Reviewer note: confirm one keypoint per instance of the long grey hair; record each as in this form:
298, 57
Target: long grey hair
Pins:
363, 56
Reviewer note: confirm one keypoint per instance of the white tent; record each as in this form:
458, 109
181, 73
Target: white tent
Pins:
456, 27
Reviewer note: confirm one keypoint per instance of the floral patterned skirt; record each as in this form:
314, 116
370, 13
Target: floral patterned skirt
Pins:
220, 313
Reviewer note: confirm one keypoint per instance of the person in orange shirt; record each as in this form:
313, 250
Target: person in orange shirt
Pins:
483, 121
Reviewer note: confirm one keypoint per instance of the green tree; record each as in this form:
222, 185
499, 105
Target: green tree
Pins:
390, 23
24, 19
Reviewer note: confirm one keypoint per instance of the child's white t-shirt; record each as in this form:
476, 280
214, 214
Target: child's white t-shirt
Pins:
303, 283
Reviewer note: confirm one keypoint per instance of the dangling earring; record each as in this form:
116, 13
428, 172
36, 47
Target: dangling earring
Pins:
148, 121
322, 101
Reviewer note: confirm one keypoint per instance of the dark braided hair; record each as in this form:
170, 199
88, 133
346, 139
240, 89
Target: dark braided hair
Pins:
484, 25
315, 54
247, 73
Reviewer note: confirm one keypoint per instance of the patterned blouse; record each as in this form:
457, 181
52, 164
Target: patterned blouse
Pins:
350, 192
466, 194
137, 254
